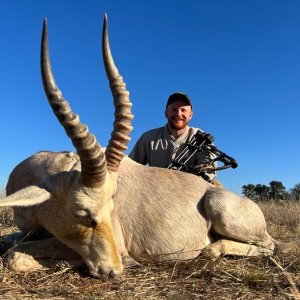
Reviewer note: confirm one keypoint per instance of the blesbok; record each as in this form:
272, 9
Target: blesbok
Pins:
107, 207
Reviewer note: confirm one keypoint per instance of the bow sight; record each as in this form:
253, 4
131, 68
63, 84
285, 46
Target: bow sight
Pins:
202, 141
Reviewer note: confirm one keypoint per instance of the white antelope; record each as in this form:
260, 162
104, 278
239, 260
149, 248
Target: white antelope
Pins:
107, 207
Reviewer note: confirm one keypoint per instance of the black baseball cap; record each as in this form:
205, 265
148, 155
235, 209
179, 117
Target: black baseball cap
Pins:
179, 96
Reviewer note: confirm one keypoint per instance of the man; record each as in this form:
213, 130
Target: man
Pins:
158, 147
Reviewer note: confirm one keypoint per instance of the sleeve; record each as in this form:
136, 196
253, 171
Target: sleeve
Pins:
139, 151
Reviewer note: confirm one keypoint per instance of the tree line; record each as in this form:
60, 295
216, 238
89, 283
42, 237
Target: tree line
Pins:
274, 191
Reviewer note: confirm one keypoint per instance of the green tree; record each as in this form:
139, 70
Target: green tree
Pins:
262, 191
295, 192
248, 190
277, 190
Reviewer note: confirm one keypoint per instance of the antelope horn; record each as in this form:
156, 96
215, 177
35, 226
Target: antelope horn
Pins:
93, 162
120, 136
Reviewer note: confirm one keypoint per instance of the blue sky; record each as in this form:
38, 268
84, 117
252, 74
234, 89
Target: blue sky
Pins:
237, 60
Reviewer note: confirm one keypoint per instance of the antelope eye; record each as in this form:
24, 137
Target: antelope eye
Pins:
85, 217
81, 213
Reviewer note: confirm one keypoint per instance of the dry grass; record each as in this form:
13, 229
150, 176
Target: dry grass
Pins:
276, 277
283, 219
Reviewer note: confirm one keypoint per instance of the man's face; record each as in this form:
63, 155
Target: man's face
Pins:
178, 114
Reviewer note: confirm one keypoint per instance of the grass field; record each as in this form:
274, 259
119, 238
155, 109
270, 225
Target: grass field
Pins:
276, 277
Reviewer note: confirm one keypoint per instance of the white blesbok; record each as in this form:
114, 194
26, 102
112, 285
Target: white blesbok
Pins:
106, 207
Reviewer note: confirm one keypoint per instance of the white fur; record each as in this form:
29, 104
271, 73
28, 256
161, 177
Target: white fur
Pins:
158, 214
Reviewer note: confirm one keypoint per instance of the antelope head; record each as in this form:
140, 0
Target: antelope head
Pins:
82, 197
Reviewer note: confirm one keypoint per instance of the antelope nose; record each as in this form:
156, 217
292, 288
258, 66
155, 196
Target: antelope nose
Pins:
112, 274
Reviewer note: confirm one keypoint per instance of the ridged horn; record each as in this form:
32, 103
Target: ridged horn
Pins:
120, 136
93, 162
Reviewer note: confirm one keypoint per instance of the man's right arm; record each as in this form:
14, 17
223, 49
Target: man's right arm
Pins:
139, 152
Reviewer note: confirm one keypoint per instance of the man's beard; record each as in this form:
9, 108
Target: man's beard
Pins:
178, 126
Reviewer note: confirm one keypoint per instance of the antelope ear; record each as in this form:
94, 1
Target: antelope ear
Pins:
28, 196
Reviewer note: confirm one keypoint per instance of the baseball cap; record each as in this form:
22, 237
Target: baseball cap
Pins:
179, 96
